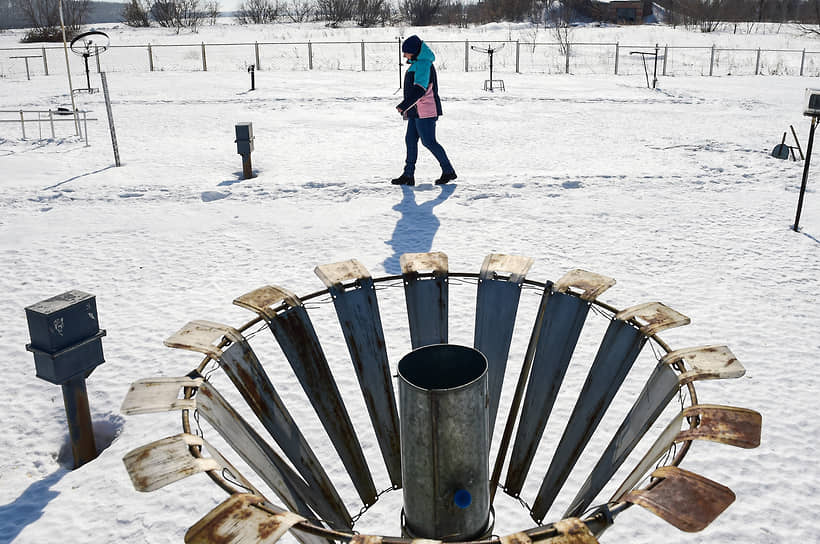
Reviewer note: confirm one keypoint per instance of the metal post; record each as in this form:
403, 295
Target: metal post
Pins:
310, 55
805, 174
28, 76
466, 55
802, 62
247, 170
110, 119
712, 60
150, 58
85, 126
617, 51
256, 53
655, 69
45, 61
97, 54
23, 124
204, 60
517, 56
665, 56
757, 63
398, 41
51, 122
567, 67
78, 415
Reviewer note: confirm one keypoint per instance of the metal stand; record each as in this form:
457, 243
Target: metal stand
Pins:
251, 70
488, 84
796, 226
643, 55
78, 414
247, 169
89, 44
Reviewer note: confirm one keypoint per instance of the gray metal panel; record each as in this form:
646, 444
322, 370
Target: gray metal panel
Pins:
297, 338
661, 388
496, 308
427, 301
620, 347
241, 365
251, 447
564, 317
358, 313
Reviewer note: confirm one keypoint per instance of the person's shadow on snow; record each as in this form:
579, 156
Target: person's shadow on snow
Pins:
416, 227
28, 507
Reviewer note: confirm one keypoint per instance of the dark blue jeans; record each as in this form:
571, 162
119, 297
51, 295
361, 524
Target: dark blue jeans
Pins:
426, 130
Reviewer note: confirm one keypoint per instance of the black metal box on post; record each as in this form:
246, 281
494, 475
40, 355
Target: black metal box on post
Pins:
66, 341
244, 146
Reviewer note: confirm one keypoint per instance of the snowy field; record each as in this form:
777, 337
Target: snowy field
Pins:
672, 192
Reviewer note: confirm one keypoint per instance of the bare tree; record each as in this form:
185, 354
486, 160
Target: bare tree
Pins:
420, 12
299, 11
178, 14
43, 17
135, 14
559, 18
258, 12
372, 12
335, 12
212, 11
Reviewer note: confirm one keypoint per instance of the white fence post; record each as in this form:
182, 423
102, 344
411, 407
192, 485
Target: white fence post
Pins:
363, 56
712, 60
45, 62
150, 58
204, 62
23, 124
567, 67
310, 55
617, 51
256, 54
517, 57
802, 62
466, 55
757, 63
665, 56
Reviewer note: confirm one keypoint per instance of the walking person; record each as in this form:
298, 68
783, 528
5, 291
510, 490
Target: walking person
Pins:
421, 107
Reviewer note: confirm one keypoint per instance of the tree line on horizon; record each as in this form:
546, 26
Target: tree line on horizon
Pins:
42, 18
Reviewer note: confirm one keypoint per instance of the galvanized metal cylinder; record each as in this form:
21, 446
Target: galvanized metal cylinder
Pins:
444, 409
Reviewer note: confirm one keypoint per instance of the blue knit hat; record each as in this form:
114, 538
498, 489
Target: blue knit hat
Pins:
411, 45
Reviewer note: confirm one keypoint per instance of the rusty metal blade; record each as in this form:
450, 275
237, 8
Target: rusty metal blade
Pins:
201, 336
725, 424
653, 317
151, 395
564, 317
618, 350
706, 363
496, 308
229, 472
572, 531
687, 500
264, 461
296, 336
239, 520
592, 284
660, 388
245, 371
358, 312
427, 298
165, 461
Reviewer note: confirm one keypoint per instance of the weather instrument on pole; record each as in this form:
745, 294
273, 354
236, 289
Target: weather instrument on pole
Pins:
654, 56
488, 83
812, 110
89, 44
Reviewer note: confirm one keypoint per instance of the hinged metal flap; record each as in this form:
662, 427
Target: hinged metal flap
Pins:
516, 266
264, 299
240, 520
151, 395
335, 274
705, 363
414, 263
656, 316
201, 336
687, 500
571, 531
592, 284
725, 424
165, 461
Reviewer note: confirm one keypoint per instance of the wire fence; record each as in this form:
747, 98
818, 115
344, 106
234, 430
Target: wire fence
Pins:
515, 57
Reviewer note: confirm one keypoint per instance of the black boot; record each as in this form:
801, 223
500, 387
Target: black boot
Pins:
445, 177
403, 180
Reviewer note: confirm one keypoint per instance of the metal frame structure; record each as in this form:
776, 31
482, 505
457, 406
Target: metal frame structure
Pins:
315, 514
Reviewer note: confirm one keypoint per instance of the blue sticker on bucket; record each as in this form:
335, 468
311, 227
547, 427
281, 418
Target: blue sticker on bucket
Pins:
462, 498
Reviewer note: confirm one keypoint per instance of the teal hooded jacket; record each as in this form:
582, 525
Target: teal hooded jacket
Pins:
421, 86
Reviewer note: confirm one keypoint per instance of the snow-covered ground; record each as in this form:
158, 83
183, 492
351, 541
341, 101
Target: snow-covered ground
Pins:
671, 191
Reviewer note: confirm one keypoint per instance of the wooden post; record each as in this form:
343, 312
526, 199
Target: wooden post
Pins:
310, 55
466, 55
204, 61
802, 61
363, 56
110, 119
617, 51
247, 170
78, 414
150, 58
712, 60
45, 61
256, 54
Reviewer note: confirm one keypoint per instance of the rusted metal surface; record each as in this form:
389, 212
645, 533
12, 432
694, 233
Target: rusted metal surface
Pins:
358, 312
564, 317
426, 297
153, 395
572, 531
293, 330
264, 461
687, 500
653, 317
166, 461
245, 371
725, 424
496, 308
202, 336
366, 539
619, 348
590, 283
706, 363
239, 520
660, 388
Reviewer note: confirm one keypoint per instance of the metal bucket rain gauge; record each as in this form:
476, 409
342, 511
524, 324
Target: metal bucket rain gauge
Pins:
434, 443
89, 44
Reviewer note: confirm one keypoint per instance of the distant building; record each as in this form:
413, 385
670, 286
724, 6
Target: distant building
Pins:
623, 11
